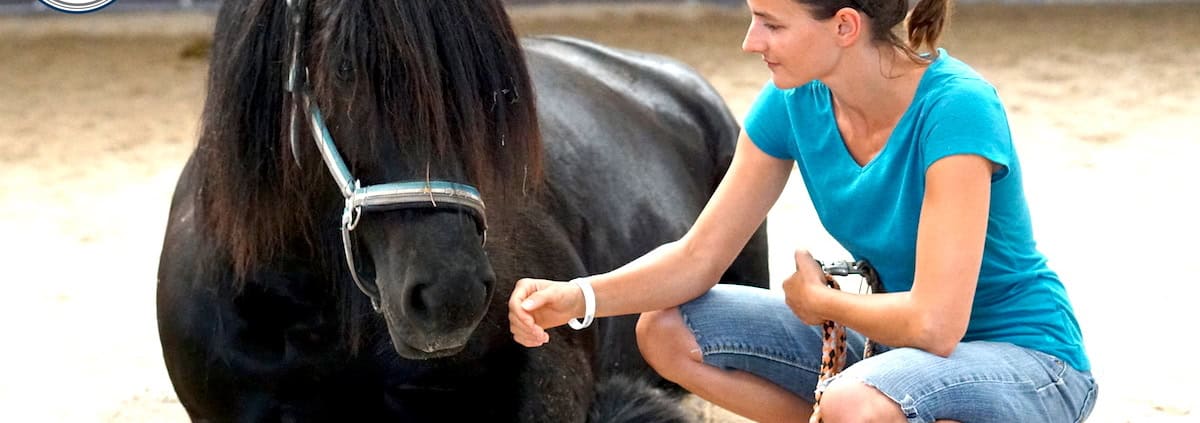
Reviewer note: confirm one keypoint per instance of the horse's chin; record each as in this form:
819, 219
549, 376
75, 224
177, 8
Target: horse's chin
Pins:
414, 345
426, 353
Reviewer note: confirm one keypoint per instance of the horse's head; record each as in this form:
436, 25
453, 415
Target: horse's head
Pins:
408, 114
425, 99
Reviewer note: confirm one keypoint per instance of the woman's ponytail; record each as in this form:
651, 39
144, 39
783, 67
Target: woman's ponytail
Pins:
925, 24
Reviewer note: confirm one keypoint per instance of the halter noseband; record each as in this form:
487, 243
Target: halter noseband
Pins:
360, 199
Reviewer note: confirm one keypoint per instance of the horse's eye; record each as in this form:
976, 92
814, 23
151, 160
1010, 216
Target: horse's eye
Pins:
345, 71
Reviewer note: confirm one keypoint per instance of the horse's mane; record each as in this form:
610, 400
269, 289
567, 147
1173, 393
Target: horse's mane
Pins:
442, 83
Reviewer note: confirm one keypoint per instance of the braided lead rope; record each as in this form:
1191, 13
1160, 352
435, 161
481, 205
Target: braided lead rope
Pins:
833, 346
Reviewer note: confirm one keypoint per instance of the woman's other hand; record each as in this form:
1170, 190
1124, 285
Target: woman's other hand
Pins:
539, 304
803, 289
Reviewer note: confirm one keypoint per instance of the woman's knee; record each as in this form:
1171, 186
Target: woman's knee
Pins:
664, 339
848, 400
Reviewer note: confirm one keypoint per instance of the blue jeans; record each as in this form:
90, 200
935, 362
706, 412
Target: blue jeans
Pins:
753, 330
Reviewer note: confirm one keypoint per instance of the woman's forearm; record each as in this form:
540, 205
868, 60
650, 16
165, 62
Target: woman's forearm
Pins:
665, 277
894, 319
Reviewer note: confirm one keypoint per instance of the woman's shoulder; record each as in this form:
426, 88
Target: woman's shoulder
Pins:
949, 76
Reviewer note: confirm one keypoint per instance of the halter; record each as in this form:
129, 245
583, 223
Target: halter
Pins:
360, 199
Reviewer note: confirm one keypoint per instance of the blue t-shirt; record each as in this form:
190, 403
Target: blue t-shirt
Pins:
873, 210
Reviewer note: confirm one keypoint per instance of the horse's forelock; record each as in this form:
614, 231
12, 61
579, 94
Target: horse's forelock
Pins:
440, 81
443, 78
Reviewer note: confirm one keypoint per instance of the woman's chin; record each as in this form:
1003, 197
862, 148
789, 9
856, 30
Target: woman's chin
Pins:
783, 82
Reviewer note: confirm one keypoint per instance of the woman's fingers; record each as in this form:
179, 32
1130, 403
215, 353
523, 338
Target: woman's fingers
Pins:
524, 331
520, 321
803, 259
533, 302
530, 341
521, 306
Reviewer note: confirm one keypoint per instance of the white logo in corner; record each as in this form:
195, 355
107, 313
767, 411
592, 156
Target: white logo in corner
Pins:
76, 6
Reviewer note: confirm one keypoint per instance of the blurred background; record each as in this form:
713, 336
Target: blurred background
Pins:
98, 113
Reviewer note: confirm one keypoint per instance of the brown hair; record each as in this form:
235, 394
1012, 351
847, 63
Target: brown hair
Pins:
924, 25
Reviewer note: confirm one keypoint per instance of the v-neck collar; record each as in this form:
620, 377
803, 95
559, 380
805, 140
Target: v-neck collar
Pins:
913, 103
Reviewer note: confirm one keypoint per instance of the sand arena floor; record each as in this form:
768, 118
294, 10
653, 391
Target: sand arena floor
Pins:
98, 113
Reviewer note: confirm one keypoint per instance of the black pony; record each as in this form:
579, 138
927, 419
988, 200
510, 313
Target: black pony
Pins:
261, 307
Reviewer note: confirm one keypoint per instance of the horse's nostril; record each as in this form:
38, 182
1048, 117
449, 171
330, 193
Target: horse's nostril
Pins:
448, 303
417, 303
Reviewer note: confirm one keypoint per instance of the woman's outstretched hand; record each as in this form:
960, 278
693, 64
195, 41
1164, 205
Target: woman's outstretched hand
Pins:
539, 304
802, 290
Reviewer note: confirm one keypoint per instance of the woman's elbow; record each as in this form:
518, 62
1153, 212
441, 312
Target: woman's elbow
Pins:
943, 349
939, 335
708, 262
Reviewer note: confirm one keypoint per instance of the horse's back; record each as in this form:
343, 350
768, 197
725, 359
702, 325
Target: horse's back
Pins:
680, 98
638, 142
635, 145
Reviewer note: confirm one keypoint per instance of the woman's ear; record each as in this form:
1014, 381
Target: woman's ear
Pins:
848, 26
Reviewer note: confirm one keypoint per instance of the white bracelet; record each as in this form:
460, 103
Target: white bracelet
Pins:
589, 304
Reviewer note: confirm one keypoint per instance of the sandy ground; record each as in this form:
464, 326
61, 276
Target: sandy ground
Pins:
98, 113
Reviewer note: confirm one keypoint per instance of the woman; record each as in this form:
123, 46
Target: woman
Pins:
909, 162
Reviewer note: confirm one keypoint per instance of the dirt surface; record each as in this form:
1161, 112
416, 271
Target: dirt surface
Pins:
98, 113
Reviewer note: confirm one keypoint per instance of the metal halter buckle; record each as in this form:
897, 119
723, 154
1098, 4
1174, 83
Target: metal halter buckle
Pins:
860, 267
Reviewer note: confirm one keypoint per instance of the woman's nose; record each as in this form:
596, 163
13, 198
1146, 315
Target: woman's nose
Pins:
753, 42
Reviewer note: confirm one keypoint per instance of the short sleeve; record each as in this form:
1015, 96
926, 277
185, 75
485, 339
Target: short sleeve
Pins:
768, 123
968, 118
